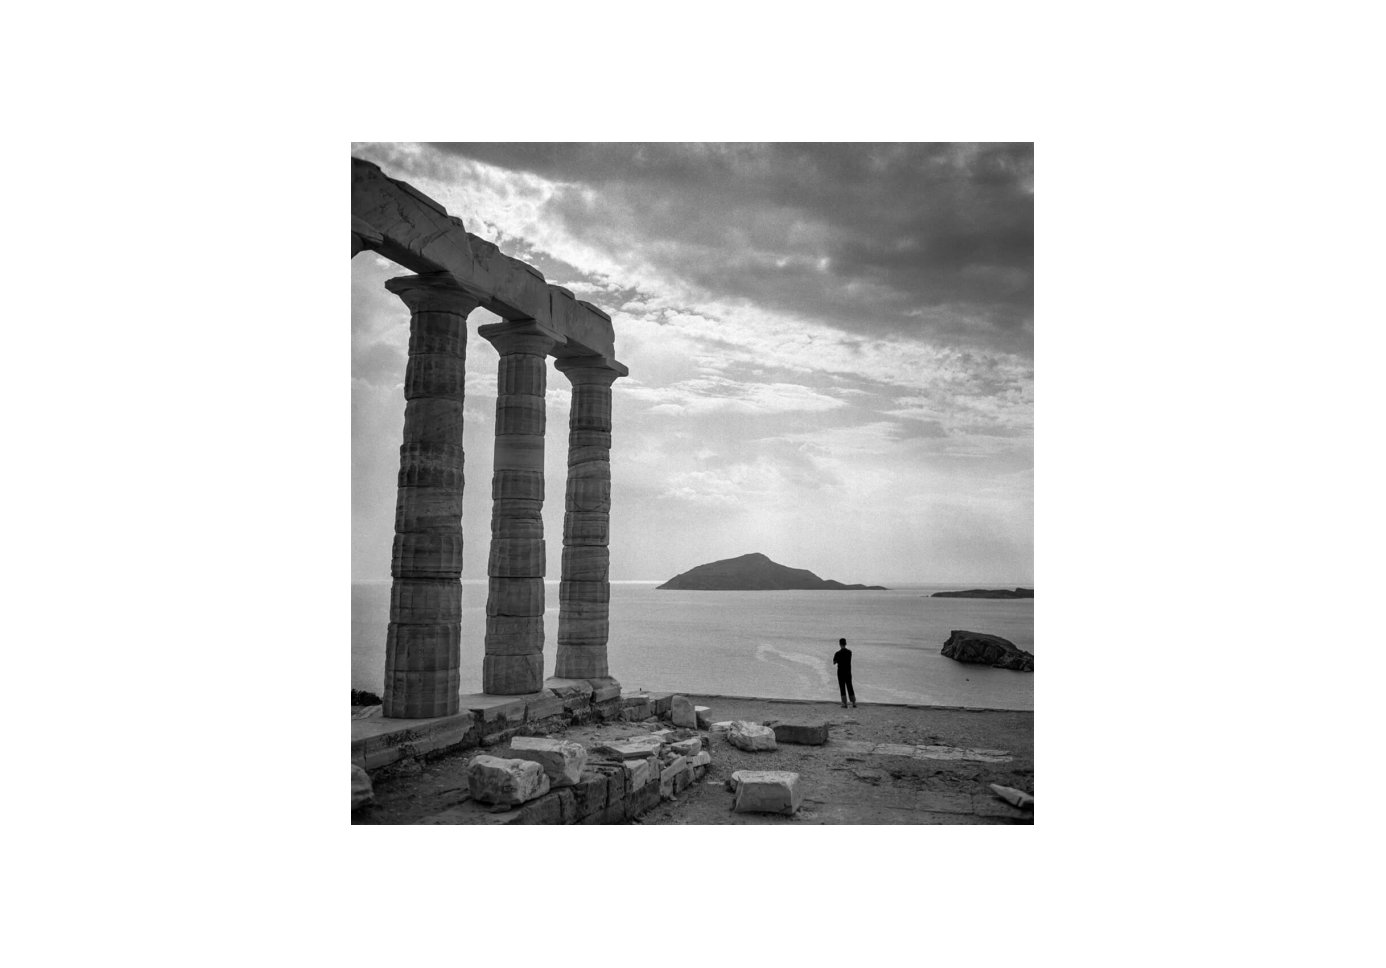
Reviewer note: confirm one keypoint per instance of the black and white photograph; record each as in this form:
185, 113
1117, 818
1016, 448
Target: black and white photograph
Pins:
692, 483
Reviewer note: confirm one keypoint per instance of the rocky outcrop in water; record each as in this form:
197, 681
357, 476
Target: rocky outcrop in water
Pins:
992, 650
988, 593
755, 572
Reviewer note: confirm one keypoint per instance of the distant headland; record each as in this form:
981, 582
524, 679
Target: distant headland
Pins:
988, 593
756, 573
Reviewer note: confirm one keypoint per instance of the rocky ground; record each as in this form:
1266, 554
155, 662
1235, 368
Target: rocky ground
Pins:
882, 764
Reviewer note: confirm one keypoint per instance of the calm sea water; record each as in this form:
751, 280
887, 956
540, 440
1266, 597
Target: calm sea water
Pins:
773, 644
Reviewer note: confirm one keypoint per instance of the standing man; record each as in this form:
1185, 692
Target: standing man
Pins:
842, 658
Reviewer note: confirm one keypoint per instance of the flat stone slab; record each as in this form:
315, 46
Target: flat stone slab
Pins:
766, 791
631, 749
801, 733
562, 761
604, 689
378, 742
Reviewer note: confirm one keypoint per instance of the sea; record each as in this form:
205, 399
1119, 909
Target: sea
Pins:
772, 644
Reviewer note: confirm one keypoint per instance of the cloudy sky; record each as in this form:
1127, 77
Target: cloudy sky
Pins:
830, 351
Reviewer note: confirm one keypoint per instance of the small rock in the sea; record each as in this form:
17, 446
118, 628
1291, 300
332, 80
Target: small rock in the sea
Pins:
751, 737
984, 649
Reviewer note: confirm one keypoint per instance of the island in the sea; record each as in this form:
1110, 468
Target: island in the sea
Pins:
988, 593
755, 573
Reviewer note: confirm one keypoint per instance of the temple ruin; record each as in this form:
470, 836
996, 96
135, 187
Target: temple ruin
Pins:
454, 272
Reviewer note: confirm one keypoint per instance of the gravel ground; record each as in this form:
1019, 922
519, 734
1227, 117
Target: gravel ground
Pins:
852, 779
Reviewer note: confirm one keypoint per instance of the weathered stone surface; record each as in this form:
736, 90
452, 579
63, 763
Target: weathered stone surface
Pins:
638, 772
604, 688
523, 597
702, 758
703, 715
569, 688
492, 779
686, 747
512, 675
668, 775
407, 227
581, 661
683, 712
766, 791
361, 792
804, 734
378, 742
563, 762
721, 727
589, 794
542, 706
984, 649
635, 748
751, 737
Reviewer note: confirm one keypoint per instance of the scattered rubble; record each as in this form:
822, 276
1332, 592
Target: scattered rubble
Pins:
801, 733
766, 791
491, 779
561, 761
751, 736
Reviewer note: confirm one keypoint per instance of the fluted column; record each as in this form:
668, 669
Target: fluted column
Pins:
514, 661
584, 591
423, 648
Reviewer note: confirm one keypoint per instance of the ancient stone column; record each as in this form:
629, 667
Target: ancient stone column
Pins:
584, 591
424, 643
514, 661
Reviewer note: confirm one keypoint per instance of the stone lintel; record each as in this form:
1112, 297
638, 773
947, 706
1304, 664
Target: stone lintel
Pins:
406, 226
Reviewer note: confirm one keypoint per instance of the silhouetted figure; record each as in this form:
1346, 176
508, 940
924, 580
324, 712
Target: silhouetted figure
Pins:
842, 658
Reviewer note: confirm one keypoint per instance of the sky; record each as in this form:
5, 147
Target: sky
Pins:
830, 351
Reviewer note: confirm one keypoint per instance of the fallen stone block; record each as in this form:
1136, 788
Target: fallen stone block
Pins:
630, 749
589, 794
801, 733
703, 715
683, 713
561, 760
663, 735
687, 747
638, 773
661, 702
361, 792
491, 779
721, 727
702, 758
766, 791
751, 737
547, 809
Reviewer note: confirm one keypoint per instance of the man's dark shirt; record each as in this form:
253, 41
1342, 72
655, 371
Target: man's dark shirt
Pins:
842, 658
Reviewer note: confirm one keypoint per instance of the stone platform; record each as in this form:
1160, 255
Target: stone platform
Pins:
488, 720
